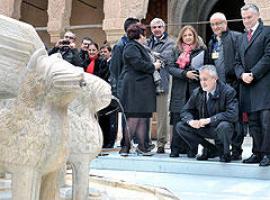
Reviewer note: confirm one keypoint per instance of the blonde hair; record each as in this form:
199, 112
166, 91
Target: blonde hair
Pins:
180, 37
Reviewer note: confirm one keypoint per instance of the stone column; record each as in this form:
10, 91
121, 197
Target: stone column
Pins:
116, 12
59, 13
11, 8
264, 6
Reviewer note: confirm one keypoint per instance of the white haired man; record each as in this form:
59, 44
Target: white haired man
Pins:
209, 113
161, 44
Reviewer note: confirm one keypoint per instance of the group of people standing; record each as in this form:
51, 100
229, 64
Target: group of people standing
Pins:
213, 88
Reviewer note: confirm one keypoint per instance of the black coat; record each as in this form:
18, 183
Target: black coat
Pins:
117, 66
225, 105
138, 89
70, 55
228, 39
182, 87
254, 57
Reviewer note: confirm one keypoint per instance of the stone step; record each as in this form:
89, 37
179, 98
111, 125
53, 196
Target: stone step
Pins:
162, 163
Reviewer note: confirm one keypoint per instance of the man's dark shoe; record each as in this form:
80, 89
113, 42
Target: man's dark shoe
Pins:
191, 154
207, 153
160, 150
174, 154
252, 159
236, 156
124, 151
265, 161
225, 158
203, 156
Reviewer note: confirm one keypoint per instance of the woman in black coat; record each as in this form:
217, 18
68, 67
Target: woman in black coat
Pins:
138, 91
187, 57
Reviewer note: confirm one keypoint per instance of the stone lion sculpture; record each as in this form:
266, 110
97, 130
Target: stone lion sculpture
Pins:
35, 92
86, 136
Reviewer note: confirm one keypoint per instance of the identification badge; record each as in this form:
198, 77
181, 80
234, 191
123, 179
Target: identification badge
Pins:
215, 55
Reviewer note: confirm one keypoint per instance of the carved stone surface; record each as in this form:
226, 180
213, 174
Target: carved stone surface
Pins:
86, 136
35, 92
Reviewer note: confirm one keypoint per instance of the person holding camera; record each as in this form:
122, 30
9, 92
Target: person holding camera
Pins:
161, 45
187, 57
67, 48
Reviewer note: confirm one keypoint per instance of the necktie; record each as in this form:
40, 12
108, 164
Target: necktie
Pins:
249, 34
210, 105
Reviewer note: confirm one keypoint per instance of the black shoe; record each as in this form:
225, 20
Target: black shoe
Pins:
204, 155
236, 156
207, 153
124, 151
265, 161
160, 150
191, 154
252, 159
146, 152
225, 158
174, 154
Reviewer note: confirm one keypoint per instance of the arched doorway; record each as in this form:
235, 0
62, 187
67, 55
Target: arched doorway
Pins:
34, 12
184, 12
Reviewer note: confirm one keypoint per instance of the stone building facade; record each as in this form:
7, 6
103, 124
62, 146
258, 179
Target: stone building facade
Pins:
103, 19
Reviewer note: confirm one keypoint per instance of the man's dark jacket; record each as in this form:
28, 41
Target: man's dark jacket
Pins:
228, 39
70, 55
117, 67
225, 105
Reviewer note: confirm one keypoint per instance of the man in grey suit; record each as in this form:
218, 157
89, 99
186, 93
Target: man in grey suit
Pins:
252, 67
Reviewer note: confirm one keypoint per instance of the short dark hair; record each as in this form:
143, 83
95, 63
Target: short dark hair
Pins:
87, 38
129, 21
106, 46
135, 30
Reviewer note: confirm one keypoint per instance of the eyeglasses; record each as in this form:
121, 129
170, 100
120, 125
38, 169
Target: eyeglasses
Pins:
216, 24
69, 37
154, 27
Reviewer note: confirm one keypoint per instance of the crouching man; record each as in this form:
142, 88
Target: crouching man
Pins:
209, 114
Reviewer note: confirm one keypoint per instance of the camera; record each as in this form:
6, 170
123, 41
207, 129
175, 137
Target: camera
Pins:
65, 42
157, 81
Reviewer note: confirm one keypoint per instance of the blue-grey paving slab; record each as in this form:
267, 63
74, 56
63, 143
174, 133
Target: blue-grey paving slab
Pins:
196, 187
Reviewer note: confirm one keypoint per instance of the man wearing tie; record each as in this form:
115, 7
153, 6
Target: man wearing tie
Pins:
252, 67
210, 113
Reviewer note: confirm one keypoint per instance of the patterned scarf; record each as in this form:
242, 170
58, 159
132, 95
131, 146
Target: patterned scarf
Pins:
184, 58
91, 67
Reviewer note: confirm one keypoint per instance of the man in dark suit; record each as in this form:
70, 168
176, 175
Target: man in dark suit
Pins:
210, 113
252, 67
